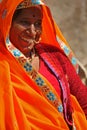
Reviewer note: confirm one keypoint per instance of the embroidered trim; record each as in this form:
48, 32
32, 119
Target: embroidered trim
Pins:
68, 53
29, 3
4, 13
44, 86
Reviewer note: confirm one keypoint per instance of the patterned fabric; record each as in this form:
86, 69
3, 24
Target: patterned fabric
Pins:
25, 92
28, 3
68, 53
40, 81
44, 52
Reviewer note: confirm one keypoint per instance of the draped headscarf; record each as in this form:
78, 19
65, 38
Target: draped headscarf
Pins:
55, 36
22, 101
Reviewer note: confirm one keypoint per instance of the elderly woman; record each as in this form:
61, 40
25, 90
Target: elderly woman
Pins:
39, 85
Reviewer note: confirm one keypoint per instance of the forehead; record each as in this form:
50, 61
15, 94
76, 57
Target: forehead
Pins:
32, 12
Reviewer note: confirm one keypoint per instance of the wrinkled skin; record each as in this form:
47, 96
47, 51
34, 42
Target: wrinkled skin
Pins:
26, 29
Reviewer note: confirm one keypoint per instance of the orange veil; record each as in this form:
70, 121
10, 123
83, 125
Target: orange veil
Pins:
23, 106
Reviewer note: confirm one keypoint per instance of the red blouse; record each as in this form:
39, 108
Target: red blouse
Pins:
49, 76
77, 88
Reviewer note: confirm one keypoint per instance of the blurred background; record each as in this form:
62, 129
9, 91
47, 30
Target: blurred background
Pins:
71, 17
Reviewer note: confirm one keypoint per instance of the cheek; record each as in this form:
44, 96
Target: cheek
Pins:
13, 32
16, 29
13, 35
39, 32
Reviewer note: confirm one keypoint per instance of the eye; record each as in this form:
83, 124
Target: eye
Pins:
38, 23
24, 23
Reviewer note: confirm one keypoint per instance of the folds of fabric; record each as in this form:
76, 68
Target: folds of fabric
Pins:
78, 115
23, 106
53, 36
49, 35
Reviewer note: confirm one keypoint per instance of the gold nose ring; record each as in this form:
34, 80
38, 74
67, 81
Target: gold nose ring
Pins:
29, 48
27, 31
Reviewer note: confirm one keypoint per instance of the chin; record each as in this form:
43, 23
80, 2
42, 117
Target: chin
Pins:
25, 52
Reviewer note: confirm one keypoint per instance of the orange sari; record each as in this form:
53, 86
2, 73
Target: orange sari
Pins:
23, 105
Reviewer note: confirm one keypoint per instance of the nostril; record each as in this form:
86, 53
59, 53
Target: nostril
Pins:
33, 33
31, 30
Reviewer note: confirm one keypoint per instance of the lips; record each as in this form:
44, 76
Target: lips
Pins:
26, 39
26, 43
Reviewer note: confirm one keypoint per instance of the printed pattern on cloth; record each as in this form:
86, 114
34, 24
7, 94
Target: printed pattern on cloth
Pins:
28, 3
43, 85
68, 53
4, 13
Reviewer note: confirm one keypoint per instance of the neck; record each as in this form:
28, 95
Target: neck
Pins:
34, 59
31, 53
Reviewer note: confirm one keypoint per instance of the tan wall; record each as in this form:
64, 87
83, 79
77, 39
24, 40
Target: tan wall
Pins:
71, 16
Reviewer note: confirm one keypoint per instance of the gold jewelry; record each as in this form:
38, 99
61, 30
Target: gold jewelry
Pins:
32, 54
34, 59
29, 47
27, 31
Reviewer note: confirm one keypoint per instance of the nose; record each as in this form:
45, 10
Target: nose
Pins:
31, 31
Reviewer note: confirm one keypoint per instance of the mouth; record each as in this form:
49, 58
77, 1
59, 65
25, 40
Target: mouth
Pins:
27, 43
27, 40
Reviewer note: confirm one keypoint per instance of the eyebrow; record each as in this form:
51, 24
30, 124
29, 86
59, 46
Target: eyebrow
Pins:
39, 19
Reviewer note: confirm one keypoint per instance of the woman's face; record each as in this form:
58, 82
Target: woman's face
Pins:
26, 29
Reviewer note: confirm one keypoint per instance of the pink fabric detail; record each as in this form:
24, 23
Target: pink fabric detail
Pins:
48, 75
